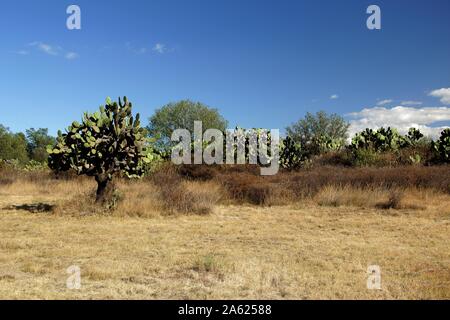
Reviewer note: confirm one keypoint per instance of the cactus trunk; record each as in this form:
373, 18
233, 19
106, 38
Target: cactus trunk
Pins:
105, 190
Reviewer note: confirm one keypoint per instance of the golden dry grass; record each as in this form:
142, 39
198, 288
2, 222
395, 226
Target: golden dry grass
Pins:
315, 248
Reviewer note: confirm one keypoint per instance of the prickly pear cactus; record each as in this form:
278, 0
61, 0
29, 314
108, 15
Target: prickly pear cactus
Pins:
291, 155
106, 142
378, 140
326, 144
414, 135
442, 146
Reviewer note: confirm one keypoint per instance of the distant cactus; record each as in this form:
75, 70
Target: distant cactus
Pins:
412, 138
325, 144
442, 146
378, 140
291, 155
107, 142
414, 135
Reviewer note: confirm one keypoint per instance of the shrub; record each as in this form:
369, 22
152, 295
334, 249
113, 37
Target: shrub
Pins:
336, 158
394, 201
179, 196
189, 198
369, 157
320, 132
197, 172
34, 165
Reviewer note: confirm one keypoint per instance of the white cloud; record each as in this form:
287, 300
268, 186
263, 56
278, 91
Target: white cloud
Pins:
383, 102
71, 55
334, 97
51, 50
46, 48
22, 52
443, 94
401, 118
411, 103
160, 48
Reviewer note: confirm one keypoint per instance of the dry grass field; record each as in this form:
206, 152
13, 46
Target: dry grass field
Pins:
318, 247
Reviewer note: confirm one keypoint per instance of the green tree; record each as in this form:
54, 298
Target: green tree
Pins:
181, 115
319, 132
38, 140
12, 145
107, 142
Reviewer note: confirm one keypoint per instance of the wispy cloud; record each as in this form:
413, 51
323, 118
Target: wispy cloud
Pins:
51, 50
23, 52
334, 97
71, 55
443, 94
400, 117
46, 48
411, 103
384, 102
160, 48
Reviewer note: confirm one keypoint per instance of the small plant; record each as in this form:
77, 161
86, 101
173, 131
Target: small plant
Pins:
415, 159
34, 165
208, 263
394, 201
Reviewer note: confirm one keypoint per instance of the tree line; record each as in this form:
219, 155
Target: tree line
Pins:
25, 147
309, 137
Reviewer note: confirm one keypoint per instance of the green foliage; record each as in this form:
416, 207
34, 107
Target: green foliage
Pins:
34, 165
38, 140
181, 115
319, 133
378, 140
413, 137
415, 159
368, 158
12, 164
106, 142
326, 144
389, 147
442, 146
291, 154
13, 145
157, 158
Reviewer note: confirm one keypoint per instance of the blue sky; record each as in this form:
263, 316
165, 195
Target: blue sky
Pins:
261, 63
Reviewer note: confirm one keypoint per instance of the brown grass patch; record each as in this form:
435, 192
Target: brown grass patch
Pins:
298, 251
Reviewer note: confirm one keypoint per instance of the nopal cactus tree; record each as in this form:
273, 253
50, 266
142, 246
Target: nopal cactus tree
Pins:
378, 140
105, 143
442, 146
291, 155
